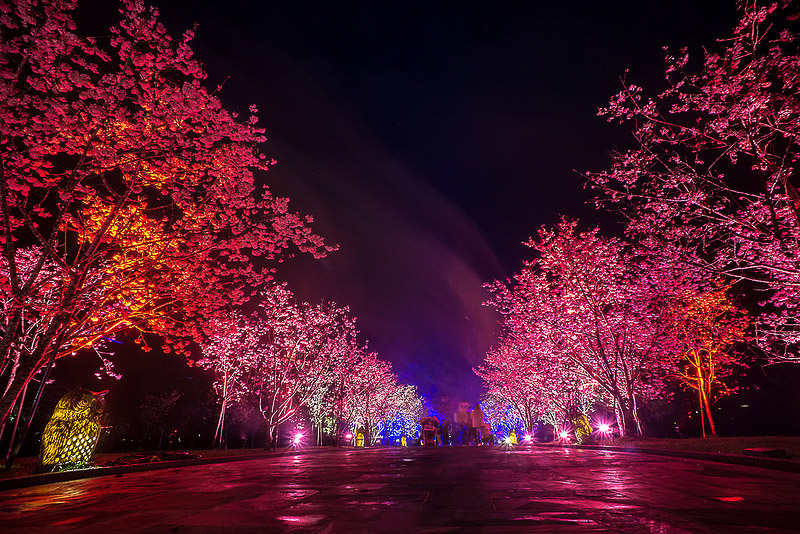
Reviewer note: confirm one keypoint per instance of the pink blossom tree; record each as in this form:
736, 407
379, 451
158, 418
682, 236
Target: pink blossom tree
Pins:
401, 413
304, 347
526, 370
712, 177
232, 353
127, 191
368, 394
538, 384
584, 301
328, 409
334, 405
513, 376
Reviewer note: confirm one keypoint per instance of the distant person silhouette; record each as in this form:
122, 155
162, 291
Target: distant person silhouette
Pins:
461, 421
476, 425
444, 434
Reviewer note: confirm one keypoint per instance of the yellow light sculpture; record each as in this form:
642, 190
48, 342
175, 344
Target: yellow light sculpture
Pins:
71, 435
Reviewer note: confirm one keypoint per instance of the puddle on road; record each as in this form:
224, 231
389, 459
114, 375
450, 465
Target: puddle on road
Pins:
301, 520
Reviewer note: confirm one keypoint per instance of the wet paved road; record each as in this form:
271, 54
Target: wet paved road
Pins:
417, 490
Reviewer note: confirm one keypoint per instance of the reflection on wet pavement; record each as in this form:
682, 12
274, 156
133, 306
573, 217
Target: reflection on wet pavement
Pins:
421, 490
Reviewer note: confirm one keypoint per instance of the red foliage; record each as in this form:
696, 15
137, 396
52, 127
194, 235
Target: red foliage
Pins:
128, 190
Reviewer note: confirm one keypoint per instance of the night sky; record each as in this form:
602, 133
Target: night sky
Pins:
430, 139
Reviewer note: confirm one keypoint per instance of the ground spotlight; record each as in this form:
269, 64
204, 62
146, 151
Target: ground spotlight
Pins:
603, 429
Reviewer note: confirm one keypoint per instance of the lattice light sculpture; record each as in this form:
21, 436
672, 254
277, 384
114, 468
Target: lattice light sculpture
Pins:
71, 435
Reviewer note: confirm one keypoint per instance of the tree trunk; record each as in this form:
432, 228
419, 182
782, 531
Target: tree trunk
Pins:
634, 411
711, 424
705, 406
624, 417
272, 437
220, 426
161, 436
702, 416
144, 438
27, 415
16, 425
24, 375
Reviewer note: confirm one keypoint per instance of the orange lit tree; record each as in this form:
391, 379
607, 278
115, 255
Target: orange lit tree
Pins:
127, 197
706, 326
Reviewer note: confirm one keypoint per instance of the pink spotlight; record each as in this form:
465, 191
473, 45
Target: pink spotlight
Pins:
604, 428
348, 436
298, 437
528, 438
563, 434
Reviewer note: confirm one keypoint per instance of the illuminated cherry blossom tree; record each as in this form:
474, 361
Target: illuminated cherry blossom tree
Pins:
712, 178
362, 393
368, 393
402, 413
328, 408
526, 373
128, 197
232, 353
511, 377
304, 347
587, 301
333, 406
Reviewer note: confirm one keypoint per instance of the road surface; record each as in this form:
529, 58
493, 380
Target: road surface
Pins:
469, 489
